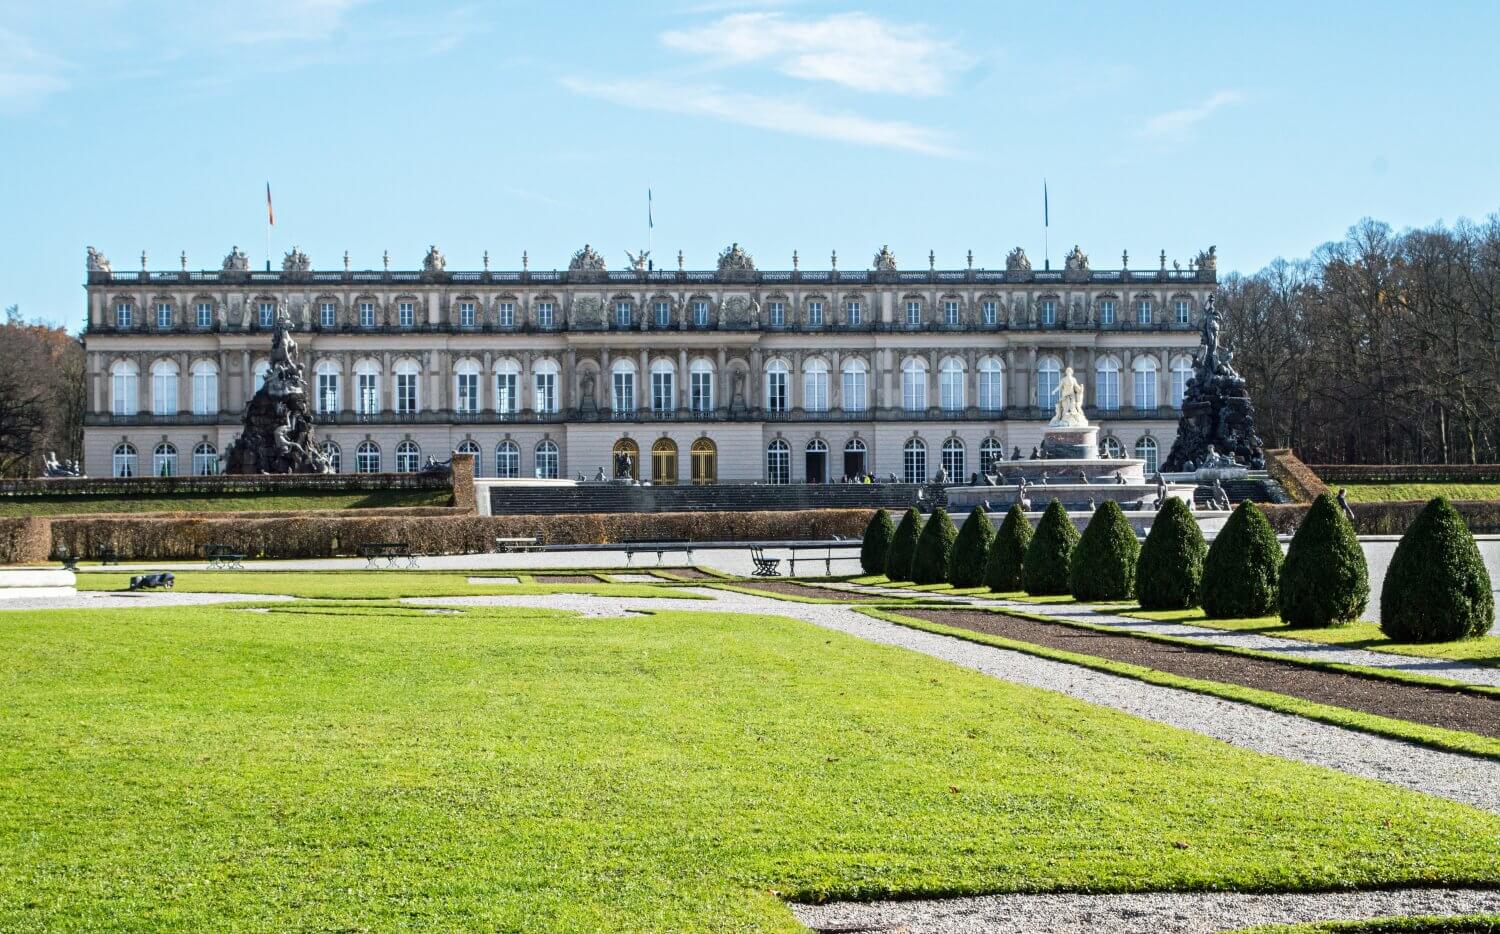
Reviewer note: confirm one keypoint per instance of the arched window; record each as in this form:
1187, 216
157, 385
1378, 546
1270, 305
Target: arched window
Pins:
205, 459
855, 390
164, 460
951, 384
776, 386
1048, 375
507, 387
815, 385
1145, 449
334, 454
125, 462
914, 385
778, 462
205, 376
408, 385
1110, 446
622, 387
366, 389
953, 459
547, 465
326, 377
123, 394
991, 384
1182, 371
626, 448
507, 460
701, 386
367, 457
664, 461
164, 388
466, 386
408, 457
544, 382
663, 386
815, 461
991, 455
914, 461
705, 461
469, 446
1145, 383
1107, 384
856, 461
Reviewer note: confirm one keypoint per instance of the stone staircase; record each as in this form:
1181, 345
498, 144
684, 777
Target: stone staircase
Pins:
504, 499
1255, 489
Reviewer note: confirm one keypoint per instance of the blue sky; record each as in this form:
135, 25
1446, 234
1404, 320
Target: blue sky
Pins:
1263, 128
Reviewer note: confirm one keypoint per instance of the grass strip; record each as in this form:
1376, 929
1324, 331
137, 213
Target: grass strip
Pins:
1453, 924
375, 585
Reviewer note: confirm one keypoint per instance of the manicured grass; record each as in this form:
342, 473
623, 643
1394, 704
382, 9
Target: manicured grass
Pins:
1361, 635
1402, 492
229, 502
374, 767
365, 585
1469, 924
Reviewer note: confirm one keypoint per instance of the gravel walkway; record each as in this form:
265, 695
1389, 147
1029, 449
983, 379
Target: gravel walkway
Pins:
1460, 778
1157, 912
114, 600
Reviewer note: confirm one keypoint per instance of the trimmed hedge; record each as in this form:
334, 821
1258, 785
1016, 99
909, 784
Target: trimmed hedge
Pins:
1044, 571
25, 540
1103, 565
1436, 588
1389, 518
1169, 572
1299, 480
904, 546
1243, 567
877, 542
1324, 580
1408, 473
971, 550
934, 549
1002, 571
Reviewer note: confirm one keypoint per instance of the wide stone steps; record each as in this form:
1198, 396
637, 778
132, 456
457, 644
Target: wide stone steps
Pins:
720, 497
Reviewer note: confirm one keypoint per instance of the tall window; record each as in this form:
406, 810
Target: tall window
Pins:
164, 315
814, 314
856, 376
701, 386
700, 314
163, 388
1143, 311
1146, 450
991, 384
205, 388
1182, 371
366, 320
914, 385
1107, 384
815, 385
950, 312
854, 312
367, 457
778, 462
622, 386
335, 455
1183, 308
1048, 375
776, 383
663, 387
205, 315
913, 314
778, 314
507, 460
506, 314
267, 314
366, 390
327, 374
406, 316
953, 459
622, 314
408, 378
990, 312
1145, 383
663, 314
547, 461
914, 461
544, 381
1049, 311
205, 459
951, 384
164, 460
466, 314
466, 387
544, 314
327, 314
408, 457
125, 462
469, 446
124, 314
1106, 311
991, 454
507, 387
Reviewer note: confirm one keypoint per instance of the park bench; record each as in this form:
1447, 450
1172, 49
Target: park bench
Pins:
827, 556
660, 546
390, 552
764, 567
224, 558
504, 545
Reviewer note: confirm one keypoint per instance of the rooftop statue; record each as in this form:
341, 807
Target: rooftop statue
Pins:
1208, 262
735, 260
97, 262
236, 261
639, 262
1068, 413
1016, 263
296, 263
434, 261
885, 260
586, 260
1076, 264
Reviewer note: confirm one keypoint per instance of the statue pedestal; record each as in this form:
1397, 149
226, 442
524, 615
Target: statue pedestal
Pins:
1071, 443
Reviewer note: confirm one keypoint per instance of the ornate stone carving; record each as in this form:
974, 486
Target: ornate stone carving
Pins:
735, 262
1218, 418
1208, 264
278, 433
434, 262
1076, 265
739, 311
885, 260
586, 260
296, 263
97, 262
639, 261
588, 311
1068, 412
236, 261
1016, 264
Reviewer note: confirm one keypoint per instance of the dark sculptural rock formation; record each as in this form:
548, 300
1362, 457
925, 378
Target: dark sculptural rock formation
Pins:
1218, 420
278, 433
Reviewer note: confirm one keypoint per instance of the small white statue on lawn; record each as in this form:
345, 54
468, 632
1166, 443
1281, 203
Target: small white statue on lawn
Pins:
1069, 412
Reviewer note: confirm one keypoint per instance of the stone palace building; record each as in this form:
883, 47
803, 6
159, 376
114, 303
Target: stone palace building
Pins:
729, 374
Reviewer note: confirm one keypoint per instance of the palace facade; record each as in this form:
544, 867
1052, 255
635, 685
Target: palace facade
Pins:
729, 374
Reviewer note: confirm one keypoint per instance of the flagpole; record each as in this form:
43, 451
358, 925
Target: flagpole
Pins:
1046, 229
650, 231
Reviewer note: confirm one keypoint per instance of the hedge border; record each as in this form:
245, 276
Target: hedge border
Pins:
1298, 479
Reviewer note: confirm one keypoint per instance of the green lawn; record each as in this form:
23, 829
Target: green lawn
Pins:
365, 766
1382, 492
379, 585
229, 502
1361, 635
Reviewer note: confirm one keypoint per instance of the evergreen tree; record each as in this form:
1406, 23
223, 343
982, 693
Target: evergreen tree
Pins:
877, 543
971, 550
1103, 565
1044, 570
1243, 566
903, 546
1324, 580
934, 549
1436, 588
1169, 574
1002, 571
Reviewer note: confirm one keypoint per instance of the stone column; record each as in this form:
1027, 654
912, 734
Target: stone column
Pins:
682, 378
526, 390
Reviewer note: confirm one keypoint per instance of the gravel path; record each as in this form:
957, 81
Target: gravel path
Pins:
1156, 912
1460, 778
113, 600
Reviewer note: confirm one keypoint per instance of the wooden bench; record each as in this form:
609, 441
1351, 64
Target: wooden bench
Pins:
661, 547
764, 567
390, 552
507, 545
224, 558
827, 556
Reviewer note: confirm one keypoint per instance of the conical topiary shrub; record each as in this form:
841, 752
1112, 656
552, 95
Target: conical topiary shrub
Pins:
1103, 565
877, 544
1436, 588
1242, 568
903, 546
971, 550
1045, 568
934, 549
1002, 572
1169, 573
1324, 580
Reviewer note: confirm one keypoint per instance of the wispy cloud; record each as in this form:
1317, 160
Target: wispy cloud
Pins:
263, 21
1176, 123
782, 115
27, 74
854, 50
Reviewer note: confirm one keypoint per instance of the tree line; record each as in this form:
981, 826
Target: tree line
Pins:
42, 392
1381, 348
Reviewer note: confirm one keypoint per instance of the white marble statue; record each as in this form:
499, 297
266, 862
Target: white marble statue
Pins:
1069, 411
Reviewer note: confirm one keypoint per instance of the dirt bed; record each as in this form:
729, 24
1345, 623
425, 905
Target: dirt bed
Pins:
794, 589
1433, 706
565, 579
690, 573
